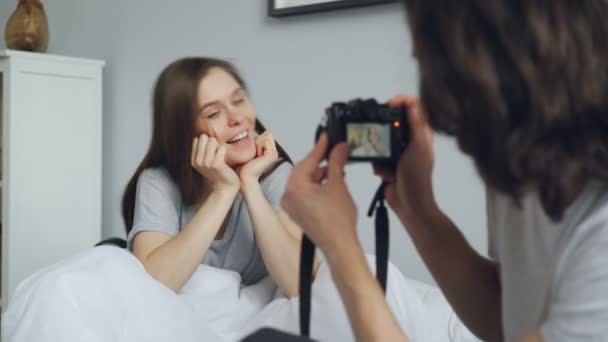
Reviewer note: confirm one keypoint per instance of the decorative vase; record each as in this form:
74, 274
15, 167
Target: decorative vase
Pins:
27, 29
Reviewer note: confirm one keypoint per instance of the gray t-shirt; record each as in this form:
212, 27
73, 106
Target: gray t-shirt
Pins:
554, 276
158, 207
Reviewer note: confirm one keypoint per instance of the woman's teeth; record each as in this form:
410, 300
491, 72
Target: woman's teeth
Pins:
238, 138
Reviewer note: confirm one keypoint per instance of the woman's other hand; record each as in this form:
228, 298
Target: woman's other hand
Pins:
266, 156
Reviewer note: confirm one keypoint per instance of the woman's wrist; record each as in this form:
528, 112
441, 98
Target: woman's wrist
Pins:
250, 186
224, 193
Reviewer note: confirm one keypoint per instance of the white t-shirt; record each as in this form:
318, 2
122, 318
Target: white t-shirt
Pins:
554, 276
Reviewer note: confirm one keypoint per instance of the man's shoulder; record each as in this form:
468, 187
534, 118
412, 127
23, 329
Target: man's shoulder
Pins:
591, 215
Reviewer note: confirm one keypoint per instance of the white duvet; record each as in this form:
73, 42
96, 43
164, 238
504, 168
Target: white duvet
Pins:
104, 294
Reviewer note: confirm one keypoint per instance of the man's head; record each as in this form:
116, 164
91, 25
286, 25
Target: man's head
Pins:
522, 85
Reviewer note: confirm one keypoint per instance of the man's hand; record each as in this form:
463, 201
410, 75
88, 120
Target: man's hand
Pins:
317, 198
409, 191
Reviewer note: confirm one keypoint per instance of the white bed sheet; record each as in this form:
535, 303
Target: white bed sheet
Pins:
105, 294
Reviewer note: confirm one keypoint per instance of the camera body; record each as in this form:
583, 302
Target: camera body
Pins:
375, 132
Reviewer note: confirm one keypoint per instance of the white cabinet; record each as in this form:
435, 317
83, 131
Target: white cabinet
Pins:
51, 125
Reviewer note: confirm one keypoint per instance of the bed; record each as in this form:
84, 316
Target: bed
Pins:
104, 294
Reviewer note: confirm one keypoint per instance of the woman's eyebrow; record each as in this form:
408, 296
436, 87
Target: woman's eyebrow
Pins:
203, 107
238, 90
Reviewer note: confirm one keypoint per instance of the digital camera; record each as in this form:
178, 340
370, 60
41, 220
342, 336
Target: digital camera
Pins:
375, 132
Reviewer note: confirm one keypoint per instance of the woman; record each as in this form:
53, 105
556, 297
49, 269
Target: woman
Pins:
208, 189
375, 142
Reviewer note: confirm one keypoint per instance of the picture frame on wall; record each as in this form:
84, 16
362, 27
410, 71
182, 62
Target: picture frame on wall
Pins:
283, 8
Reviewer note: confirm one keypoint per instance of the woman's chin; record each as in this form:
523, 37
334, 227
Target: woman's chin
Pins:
235, 161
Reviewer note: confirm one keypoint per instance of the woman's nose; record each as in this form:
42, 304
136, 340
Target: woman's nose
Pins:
234, 117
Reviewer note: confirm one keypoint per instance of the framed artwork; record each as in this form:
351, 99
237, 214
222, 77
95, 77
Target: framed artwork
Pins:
283, 8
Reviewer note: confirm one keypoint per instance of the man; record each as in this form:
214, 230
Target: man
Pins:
522, 87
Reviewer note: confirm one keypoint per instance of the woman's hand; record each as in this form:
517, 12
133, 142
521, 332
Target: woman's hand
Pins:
317, 198
266, 156
208, 158
409, 191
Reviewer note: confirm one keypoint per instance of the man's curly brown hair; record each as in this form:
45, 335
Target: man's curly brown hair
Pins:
522, 85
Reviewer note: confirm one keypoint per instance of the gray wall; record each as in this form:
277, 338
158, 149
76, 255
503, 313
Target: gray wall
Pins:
294, 67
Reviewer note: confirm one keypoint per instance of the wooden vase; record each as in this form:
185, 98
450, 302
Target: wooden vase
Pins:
27, 29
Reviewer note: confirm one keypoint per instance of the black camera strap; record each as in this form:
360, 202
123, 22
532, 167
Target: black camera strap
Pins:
307, 258
382, 235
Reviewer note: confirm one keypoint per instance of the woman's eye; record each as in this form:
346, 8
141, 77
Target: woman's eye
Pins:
239, 101
212, 115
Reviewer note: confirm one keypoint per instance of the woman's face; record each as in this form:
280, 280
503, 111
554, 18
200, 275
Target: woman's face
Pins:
225, 113
372, 135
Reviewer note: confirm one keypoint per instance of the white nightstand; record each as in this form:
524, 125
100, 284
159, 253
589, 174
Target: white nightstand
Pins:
51, 126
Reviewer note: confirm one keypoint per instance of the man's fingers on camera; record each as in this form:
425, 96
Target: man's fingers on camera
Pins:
320, 174
314, 157
390, 195
416, 118
337, 160
415, 113
402, 101
387, 174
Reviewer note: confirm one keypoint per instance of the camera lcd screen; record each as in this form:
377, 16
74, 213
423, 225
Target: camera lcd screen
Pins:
369, 140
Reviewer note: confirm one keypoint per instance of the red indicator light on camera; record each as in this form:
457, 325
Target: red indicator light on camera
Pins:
396, 124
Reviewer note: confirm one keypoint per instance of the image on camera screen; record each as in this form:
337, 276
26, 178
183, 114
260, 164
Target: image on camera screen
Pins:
369, 140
